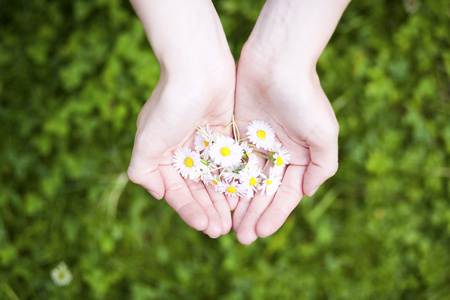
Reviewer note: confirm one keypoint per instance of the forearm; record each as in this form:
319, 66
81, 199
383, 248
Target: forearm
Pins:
296, 29
182, 32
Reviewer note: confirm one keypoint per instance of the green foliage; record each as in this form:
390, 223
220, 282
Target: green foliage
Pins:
73, 77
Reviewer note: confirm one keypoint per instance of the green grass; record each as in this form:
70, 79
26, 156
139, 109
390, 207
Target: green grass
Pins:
73, 77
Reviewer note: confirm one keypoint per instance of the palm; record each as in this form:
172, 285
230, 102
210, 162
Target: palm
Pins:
167, 123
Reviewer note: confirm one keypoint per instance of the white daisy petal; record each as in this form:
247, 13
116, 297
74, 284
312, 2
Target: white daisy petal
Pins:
270, 184
230, 176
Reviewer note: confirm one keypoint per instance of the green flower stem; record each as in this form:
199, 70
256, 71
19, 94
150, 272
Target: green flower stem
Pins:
223, 131
202, 131
262, 155
236, 130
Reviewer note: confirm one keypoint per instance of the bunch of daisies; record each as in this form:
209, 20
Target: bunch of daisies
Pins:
231, 165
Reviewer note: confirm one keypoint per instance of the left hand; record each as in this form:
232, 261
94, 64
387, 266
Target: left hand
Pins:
294, 104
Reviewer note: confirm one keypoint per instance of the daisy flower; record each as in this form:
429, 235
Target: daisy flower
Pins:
249, 179
226, 152
233, 189
187, 163
281, 158
61, 274
252, 162
204, 168
261, 134
270, 183
215, 182
229, 176
276, 147
247, 149
203, 139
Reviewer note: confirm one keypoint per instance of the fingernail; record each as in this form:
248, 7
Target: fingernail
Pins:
154, 194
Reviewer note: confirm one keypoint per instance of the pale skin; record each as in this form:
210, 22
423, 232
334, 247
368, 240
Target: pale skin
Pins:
276, 82
196, 87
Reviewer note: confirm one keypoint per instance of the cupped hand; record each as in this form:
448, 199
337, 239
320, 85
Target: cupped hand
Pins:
289, 97
181, 101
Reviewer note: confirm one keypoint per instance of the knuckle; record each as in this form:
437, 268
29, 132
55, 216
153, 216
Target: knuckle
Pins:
134, 176
332, 169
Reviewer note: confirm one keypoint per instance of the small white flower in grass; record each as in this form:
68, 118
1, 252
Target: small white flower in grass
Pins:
61, 274
187, 163
233, 189
250, 178
226, 152
261, 134
270, 183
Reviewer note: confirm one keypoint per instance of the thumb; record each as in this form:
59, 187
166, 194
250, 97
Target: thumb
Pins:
315, 175
151, 180
323, 164
144, 169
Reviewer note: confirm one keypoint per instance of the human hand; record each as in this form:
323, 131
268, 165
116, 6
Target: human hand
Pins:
167, 123
295, 105
277, 83
196, 87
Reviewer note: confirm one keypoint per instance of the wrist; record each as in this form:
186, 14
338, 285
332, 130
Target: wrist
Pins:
217, 69
282, 65
296, 30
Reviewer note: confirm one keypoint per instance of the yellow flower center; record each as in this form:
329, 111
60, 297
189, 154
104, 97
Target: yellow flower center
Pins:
279, 161
206, 143
261, 134
231, 190
253, 181
188, 162
269, 182
215, 182
225, 151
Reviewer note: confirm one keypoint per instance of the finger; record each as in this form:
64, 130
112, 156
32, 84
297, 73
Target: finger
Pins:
246, 233
144, 169
239, 212
199, 193
232, 202
179, 197
151, 180
220, 203
286, 199
324, 161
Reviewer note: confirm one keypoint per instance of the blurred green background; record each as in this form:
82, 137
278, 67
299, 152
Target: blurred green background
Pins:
73, 77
